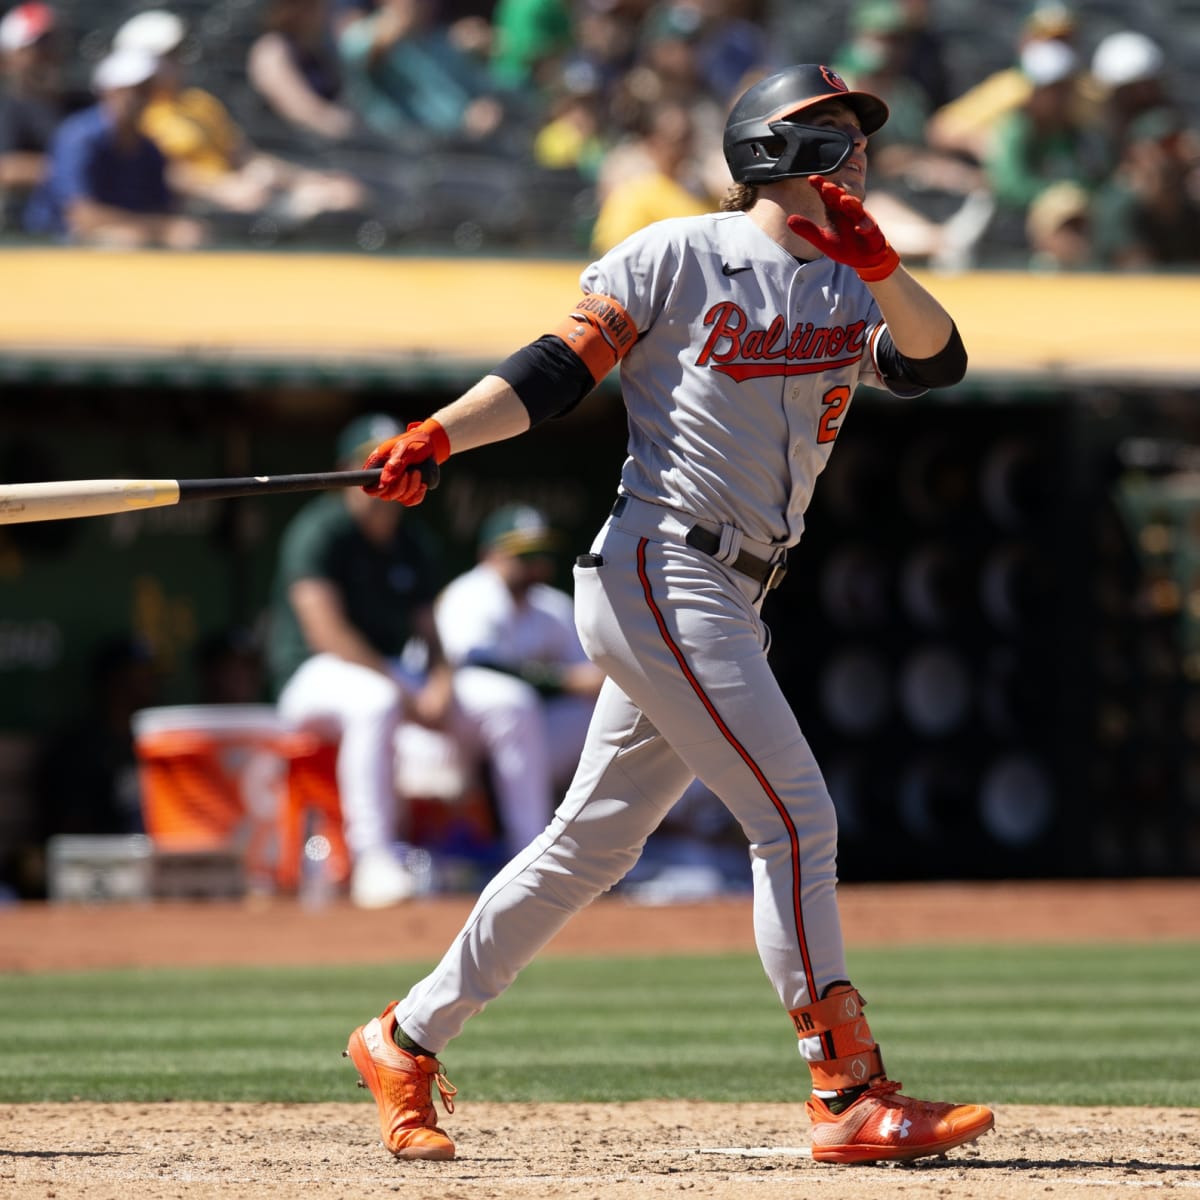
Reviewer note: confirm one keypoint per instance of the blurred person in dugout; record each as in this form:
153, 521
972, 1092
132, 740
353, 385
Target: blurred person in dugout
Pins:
354, 586
106, 182
210, 158
353, 651
510, 634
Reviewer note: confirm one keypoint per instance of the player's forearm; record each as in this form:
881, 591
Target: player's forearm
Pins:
491, 411
918, 323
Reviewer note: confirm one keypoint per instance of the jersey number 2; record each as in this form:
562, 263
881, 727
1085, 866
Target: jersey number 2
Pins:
835, 401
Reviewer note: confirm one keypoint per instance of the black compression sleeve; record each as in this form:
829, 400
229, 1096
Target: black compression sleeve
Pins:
942, 369
548, 377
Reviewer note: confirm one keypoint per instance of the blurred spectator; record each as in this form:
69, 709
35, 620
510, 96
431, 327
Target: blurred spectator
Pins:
31, 99
875, 60
86, 779
505, 626
294, 68
1042, 141
469, 26
408, 81
1131, 71
654, 181
107, 182
468, 23
229, 668
605, 41
926, 54
1147, 215
210, 158
968, 123
733, 42
529, 40
574, 136
877, 50
343, 12
1058, 228
934, 205
355, 585
949, 245
667, 69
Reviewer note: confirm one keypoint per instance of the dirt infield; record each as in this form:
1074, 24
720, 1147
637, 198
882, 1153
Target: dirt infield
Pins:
609, 1152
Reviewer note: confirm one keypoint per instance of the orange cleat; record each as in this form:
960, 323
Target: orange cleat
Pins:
882, 1124
402, 1085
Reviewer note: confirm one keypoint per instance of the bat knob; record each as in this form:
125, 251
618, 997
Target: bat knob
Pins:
430, 472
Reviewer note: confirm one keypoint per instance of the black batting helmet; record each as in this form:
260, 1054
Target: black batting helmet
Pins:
763, 141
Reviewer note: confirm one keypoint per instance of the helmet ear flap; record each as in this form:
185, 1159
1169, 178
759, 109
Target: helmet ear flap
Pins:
765, 152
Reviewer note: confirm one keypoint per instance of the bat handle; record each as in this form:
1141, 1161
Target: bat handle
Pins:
429, 471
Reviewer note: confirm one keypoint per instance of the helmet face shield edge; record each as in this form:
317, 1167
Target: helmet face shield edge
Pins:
800, 150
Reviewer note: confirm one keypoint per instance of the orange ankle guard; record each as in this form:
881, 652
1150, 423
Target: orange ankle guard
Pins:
853, 1058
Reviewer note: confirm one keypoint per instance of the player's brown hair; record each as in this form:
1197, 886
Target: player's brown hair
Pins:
739, 198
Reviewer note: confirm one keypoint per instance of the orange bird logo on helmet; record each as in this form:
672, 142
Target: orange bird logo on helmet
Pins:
834, 80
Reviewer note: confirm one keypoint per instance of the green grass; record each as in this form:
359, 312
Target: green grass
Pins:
1095, 1025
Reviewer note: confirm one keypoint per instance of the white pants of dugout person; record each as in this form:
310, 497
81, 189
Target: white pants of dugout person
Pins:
527, 743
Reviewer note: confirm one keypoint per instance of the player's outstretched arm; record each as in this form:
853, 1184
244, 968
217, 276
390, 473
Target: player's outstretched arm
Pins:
544, 379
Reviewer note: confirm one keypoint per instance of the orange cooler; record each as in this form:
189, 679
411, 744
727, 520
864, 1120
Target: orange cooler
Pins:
211, 777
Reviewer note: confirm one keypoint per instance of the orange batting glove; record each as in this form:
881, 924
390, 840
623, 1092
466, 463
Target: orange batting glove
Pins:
399, 459
851, 237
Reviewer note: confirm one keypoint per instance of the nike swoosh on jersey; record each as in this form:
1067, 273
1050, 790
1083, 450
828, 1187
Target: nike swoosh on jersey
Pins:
726, 269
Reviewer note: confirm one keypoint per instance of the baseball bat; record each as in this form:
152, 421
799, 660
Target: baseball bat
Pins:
60, 499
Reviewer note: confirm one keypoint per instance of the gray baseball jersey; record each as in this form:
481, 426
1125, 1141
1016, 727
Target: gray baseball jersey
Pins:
736, 388
743, 371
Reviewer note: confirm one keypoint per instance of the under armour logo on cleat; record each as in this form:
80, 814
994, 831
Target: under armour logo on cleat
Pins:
726, 269
895, 1123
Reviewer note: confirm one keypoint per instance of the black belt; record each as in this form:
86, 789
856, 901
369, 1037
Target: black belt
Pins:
769, 572
765, 571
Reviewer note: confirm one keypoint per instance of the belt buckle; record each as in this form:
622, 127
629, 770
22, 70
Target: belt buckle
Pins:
775, 575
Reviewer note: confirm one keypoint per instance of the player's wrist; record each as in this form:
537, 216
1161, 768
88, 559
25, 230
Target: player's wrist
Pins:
881, 267
439, 440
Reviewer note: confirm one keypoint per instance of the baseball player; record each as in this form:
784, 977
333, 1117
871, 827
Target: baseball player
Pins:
741, 337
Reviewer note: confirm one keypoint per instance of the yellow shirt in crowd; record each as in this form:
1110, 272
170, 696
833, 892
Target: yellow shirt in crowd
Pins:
195, 128
639, 202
